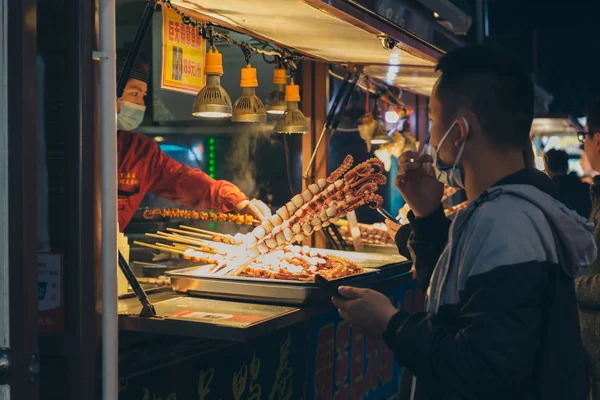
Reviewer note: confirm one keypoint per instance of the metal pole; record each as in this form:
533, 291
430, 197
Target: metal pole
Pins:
135, 47
338, 118
333, 119
328, 121
108, 162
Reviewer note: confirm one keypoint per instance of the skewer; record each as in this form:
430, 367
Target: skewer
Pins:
193, 257
238, 270
181, 239
189, 246
210, 235
155, 247
167, 247
191, 228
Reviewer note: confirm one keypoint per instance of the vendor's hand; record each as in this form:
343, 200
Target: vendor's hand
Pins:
392, 228
422, 192
256, 208
366, 310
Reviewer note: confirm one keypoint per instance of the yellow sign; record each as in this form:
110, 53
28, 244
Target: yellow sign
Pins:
182, 55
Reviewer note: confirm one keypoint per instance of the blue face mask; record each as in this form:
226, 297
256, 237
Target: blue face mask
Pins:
451, 175
130, 116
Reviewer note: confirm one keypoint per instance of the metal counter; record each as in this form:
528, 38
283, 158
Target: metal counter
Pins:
229, 320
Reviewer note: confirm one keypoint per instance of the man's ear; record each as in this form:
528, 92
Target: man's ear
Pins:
466, 121
596, 139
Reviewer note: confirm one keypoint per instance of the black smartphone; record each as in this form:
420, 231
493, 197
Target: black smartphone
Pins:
330, 287
387, 214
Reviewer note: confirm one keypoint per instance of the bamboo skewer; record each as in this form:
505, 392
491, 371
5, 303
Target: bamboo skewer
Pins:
164, 247
203, 235
155, 247
191, 228
238, 270
181, 239
188, 246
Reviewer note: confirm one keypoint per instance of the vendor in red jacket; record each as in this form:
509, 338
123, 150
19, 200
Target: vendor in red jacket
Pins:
143, 167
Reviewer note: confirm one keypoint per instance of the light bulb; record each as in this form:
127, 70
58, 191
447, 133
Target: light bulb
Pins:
391, 117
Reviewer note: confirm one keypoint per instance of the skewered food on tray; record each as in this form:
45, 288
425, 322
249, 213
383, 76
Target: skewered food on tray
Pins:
294, 263
240, 219
320, 205
370, 233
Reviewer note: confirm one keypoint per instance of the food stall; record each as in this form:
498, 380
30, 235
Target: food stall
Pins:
211, 323
551, 131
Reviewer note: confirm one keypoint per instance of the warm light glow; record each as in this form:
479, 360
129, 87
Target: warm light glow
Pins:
391, 117
159, 139
539, 163
279, 112
436, 15
378, 141
212, 114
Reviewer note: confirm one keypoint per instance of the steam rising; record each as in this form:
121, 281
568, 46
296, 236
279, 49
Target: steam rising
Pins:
244, 145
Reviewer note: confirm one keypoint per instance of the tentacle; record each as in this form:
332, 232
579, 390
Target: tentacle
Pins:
341, 170
366, 189
374, 200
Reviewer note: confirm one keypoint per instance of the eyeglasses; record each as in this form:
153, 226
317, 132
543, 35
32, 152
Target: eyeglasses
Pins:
581, 136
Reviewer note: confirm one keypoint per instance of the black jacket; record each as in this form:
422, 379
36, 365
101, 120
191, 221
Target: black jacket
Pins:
576, 193
512, 331
588, 297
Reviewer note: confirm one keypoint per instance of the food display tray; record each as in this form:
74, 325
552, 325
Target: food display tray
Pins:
191, 282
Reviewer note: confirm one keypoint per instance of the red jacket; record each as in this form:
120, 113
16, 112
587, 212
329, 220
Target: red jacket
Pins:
143, 168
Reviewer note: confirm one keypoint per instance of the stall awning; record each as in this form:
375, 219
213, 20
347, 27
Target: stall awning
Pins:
313, 28
555, 125
419, 80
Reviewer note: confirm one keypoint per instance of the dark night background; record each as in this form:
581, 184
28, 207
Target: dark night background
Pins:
561, 42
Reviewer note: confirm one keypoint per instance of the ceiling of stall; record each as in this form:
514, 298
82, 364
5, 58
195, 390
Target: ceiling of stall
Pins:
419, 80
303, 27
548, 125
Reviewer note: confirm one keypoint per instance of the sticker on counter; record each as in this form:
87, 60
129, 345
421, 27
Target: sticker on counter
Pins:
215, 317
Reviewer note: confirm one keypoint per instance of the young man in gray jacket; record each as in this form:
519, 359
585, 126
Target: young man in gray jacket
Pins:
588, 285
501, 320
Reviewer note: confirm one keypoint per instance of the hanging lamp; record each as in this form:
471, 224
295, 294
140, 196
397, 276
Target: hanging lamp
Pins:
276, 102
212, 101
249, 108
293, 121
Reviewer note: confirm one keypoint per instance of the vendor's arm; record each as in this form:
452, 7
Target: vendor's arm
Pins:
191, 187
426, 243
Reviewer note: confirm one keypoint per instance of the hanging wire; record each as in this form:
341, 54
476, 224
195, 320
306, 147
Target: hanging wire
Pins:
284, 54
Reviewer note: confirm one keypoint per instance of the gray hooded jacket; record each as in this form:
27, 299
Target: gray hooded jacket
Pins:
501, 320
479, 241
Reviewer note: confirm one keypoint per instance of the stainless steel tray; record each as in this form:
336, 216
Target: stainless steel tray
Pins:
263, 290
276, 291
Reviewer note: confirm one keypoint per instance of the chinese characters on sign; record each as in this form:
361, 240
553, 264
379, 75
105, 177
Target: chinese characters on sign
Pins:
347, 365
234, 377
182, 55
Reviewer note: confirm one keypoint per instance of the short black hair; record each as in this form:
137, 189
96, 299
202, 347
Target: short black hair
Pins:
495, 86
557, 160
593, 116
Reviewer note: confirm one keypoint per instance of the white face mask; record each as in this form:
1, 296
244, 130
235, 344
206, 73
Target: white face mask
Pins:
130, 116
451, 175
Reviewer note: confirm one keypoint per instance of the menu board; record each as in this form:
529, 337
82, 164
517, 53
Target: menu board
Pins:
183, 51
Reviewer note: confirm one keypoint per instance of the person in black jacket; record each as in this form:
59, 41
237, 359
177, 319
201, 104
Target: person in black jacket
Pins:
501, 319
588, 285
575, 192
